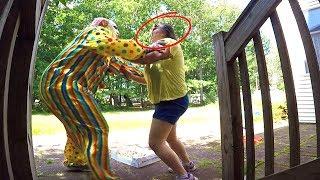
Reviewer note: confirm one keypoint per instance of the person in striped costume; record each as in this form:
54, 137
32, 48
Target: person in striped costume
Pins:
69, 83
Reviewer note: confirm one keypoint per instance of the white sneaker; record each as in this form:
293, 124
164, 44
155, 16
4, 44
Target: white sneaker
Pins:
190, 167
190, 177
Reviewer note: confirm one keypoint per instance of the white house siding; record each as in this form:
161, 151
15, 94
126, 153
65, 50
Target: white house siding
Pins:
305, 101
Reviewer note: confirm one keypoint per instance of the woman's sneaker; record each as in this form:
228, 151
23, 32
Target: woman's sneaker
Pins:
189, 167
189, 177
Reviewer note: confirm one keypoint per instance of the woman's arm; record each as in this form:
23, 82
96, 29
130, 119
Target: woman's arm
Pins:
136, 78
129, 75
154, 56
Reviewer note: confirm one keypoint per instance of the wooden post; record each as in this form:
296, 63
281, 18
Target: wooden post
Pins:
230, 110
266, 104
236, 116
247, 103
17, 94
19, 31
294, 134
225, 109
8, 31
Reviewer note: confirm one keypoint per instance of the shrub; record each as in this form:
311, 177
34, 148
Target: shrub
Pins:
279, 111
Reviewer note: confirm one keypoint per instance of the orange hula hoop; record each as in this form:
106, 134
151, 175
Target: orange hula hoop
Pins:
172, 14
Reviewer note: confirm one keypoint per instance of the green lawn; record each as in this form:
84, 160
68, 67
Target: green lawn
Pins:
120, 121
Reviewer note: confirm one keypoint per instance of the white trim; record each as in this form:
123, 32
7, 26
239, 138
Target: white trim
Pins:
309, 6
315, 32
312, 7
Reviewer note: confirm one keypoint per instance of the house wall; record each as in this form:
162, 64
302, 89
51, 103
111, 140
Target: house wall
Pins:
305, 102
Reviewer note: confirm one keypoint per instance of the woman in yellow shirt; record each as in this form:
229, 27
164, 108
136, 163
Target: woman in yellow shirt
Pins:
165, 79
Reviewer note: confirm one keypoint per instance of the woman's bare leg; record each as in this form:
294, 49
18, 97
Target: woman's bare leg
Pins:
177, 146
159, 132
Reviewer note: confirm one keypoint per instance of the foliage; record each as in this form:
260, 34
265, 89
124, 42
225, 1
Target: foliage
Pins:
279, 112
273, 65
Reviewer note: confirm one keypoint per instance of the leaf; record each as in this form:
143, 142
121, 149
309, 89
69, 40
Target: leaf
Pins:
64, 2
56, 2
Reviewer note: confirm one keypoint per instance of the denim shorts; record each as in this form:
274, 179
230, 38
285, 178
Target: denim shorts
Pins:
171, 111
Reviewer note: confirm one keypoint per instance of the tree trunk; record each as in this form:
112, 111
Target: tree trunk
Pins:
201, 88
128, 101
142, 105
257, 83
116, 101
120, 101
110, 100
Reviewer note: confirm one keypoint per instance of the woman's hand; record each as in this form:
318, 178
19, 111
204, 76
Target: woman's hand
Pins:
130, 76
157, 44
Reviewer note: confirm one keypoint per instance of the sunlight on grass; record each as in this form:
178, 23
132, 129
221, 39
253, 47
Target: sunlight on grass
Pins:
46, 124
122, 121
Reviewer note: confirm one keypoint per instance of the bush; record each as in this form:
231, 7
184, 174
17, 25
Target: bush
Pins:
279, 111
211, 95
39, 107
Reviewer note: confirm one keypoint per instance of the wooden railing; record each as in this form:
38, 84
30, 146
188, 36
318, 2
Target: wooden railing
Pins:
20, 24
230, 59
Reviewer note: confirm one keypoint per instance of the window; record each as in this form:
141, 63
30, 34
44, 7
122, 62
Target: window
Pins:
316, 42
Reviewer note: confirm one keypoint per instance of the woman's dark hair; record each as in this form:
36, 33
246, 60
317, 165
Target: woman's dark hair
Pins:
168, 30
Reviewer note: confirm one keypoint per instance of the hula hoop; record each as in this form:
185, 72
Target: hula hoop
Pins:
172, 14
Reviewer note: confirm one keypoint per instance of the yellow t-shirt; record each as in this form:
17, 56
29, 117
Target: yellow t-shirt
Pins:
166, 78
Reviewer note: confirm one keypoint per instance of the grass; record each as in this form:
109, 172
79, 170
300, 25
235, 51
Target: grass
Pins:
49, 161
206, 163
48, 124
